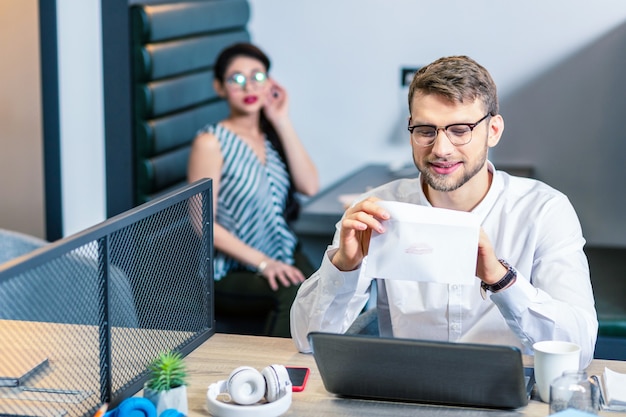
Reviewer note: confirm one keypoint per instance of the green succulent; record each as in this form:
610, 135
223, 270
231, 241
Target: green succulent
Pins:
168, 371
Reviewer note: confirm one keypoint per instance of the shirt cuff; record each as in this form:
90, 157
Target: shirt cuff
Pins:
340, 281
517, 297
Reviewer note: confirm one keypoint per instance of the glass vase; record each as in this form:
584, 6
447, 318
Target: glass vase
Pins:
574, 390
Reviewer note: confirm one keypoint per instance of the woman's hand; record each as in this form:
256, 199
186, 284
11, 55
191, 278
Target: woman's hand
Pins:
356, 230
302, 170
279, 273
276, 103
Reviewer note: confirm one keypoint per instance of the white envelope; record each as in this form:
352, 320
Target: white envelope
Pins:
424, 244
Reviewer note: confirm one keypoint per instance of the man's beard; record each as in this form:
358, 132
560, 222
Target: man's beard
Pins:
441, 182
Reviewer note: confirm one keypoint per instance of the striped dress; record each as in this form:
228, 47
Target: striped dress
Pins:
251, 201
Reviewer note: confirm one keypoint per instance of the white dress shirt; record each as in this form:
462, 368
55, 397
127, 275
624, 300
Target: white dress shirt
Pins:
531, 225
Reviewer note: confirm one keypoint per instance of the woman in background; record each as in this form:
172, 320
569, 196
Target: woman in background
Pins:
257, 163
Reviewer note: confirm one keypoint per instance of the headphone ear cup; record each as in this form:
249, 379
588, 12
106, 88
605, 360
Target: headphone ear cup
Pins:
134, 406
246, 385
276, 381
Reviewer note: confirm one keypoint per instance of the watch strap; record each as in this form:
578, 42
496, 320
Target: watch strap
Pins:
507, 279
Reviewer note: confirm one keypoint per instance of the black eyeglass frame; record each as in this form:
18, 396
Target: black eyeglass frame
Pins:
252, 80
471, 127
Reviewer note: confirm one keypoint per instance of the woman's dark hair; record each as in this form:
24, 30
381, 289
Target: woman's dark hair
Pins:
292, 206
230, 53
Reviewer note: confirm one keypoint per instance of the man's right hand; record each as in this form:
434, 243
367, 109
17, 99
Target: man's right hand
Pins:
356, 230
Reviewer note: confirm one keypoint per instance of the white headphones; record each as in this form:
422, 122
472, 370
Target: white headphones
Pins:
246, 387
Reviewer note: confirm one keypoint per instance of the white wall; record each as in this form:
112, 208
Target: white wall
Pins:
341, 60
81, 114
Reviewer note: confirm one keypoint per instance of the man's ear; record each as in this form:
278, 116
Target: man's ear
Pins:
496, 127
219, 88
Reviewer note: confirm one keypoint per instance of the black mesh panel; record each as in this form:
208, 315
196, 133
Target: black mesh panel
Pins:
101, 304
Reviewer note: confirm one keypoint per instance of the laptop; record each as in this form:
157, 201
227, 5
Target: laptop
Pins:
394, 369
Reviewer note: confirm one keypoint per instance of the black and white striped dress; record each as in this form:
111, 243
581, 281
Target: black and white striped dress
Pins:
251, 200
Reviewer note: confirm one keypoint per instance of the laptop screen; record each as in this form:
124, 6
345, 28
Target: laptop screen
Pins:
460, 374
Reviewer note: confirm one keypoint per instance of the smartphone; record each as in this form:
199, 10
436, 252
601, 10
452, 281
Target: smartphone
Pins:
298, 376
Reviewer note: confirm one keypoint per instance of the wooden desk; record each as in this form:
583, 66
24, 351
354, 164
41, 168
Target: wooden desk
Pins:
213, 360
70, 384
218, 356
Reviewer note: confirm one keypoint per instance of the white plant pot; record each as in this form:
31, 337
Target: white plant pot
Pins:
175, 398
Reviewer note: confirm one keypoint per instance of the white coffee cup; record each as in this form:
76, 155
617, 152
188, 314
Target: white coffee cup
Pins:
552, 358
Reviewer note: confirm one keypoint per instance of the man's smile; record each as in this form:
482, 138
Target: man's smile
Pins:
445, 167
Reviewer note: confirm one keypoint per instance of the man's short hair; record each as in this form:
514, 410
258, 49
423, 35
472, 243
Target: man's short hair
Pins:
457, 78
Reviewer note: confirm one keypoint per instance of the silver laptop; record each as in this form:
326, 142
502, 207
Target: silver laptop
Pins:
458, 374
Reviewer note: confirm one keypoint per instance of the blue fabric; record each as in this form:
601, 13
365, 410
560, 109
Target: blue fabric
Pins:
171, 412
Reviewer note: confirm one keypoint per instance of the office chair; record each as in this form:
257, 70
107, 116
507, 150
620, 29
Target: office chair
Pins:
366, 323
14, 244
61, 290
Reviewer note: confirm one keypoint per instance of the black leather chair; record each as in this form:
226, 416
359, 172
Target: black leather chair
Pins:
174, 47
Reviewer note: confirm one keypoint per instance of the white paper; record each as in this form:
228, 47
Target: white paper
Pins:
424, 244
615, 387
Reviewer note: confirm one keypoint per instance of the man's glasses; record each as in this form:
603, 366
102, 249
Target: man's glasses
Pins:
240, 80
458, 133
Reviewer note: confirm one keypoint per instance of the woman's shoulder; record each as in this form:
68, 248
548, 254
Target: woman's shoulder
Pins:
206, 133
219, 131
211, 128
207, 139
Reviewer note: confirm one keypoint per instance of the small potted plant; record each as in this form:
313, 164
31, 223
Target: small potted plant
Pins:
167, 385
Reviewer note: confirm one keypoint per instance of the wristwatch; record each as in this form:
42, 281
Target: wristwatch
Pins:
507, 279
261, 267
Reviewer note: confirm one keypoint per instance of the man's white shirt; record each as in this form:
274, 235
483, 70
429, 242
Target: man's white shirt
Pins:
531, 225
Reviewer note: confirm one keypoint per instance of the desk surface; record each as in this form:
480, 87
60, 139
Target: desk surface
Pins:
214, 360
218, 356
